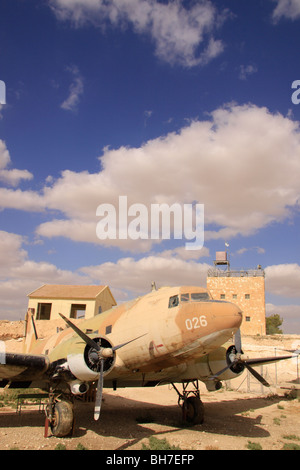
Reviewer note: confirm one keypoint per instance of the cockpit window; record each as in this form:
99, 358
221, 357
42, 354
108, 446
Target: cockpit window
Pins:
196, 297
185, 297
173, 301
199, 296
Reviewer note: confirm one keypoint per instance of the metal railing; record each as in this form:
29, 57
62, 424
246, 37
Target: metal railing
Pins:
214, 272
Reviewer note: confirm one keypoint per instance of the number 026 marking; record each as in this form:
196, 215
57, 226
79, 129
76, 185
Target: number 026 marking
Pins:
195, 322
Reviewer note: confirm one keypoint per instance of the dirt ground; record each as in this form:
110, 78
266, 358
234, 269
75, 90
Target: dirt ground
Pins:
236, 417
130, 416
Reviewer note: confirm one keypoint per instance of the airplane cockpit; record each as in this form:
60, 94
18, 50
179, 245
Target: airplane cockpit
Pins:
175, 300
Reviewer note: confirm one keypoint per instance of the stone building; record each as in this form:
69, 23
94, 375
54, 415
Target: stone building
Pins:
246, 288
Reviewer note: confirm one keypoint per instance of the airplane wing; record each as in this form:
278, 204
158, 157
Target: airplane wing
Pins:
21, 367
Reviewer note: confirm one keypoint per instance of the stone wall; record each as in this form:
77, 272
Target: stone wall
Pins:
248, 292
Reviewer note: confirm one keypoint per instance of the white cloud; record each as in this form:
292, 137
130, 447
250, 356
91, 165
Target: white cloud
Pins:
287, 9
11, 252
242, 164
257, 249
127, 277
4, 155
246, 70
19, 276
181, 35
185, 255
14, 176
136, 276
10, 176
21, 200
75, 90
283, 280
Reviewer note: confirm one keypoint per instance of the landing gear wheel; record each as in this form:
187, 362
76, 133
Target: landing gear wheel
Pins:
63, 419
190, 403
193, 410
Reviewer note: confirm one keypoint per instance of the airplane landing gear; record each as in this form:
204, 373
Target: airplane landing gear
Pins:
190, 403
60, 417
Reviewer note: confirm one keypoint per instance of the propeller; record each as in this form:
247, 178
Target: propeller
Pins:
238, 364
100, 354
238, 341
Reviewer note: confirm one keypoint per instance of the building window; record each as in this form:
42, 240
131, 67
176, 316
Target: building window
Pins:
234, 296
43, 311
247, 296
77, 311
248, 318
222, 296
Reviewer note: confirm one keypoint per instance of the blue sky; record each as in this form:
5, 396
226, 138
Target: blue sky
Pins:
164, 102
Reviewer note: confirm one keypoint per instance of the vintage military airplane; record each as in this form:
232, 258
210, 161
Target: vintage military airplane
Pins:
176, 335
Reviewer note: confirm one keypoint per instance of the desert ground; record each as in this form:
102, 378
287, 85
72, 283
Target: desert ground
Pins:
243, 415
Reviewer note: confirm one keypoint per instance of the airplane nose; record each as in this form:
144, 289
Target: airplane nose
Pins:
236, 315
229, 316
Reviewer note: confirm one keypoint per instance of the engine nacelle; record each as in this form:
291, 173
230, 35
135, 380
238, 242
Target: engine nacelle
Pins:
221, 358
81, 359
213, 385
85, 364
206, 367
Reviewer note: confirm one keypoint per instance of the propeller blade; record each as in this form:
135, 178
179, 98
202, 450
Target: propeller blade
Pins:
266, 360
223, 370
124, 344
106, 353
253, 361
98, 400
256, 375
103, 354
238, 341
80, 333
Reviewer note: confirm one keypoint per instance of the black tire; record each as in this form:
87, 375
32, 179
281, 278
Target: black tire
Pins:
194, 410
63, 419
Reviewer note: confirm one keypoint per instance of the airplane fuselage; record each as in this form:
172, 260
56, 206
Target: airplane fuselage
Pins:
176, 335
172, 326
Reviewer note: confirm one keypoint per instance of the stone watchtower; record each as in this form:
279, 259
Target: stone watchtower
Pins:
246, 288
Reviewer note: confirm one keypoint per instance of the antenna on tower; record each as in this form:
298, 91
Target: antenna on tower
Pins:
228, 255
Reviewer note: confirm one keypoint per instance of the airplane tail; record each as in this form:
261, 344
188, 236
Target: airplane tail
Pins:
30, 334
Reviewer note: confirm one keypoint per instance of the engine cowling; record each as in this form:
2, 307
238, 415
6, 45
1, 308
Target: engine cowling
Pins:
221, 358
85, 364
81, 360
206, 367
